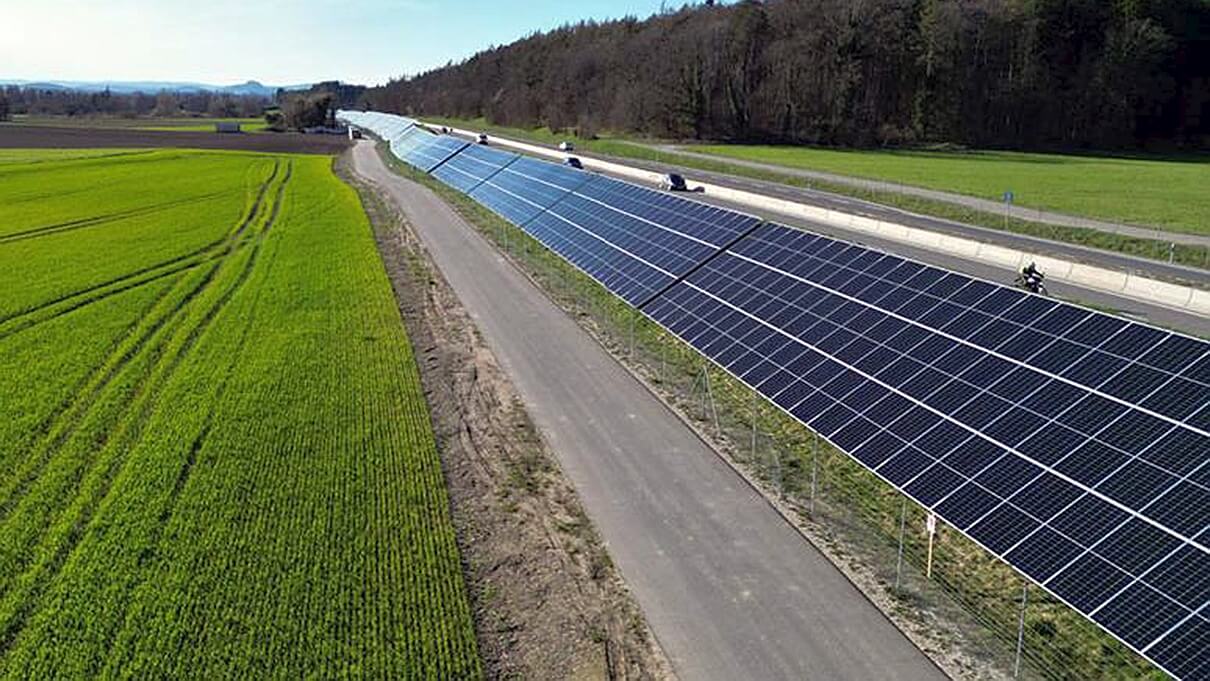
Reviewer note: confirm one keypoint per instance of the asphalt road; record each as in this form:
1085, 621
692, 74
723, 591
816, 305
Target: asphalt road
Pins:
985, 205
729, 588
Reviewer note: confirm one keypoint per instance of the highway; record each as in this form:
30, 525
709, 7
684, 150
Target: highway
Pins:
847, 204
985, 205
730, 589
1131, 307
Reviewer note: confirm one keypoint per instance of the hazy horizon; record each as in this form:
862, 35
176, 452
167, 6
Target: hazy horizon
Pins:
224, 42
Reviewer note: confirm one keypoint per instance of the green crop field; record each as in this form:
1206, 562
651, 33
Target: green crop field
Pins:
1167, 193
201, 124
216, 459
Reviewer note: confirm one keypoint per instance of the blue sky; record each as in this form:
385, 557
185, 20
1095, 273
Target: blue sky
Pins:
275, 41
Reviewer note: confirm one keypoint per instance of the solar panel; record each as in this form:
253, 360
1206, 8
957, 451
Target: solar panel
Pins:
695, 220
1102, 502
432, 151
471, 166
1123, 360
527, 187
405, 142
633, 240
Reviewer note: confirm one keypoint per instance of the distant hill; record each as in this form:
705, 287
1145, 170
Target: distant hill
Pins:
250, 87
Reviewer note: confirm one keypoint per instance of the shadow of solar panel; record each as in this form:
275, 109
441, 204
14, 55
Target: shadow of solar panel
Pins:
526, 188
432, 151
713, 225
633, 240
471, 166
627, 277
986, 429
403, 144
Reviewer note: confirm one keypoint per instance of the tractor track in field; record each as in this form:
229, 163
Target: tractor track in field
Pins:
130, 429
89, 388
96, 220
187, 467
127, 281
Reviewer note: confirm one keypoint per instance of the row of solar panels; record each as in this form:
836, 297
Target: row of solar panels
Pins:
1071, 444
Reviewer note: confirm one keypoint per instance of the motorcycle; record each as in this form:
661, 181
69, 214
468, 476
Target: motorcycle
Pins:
1031, 280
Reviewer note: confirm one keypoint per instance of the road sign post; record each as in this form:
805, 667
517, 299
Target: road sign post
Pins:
1008, 202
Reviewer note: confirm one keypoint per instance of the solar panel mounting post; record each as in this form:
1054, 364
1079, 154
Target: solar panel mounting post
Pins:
633, 314
814, 469
902, 531
663, 359
755, 403
708, 409
1021, 629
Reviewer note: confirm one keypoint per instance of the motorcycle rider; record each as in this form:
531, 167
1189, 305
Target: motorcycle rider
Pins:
1031, 278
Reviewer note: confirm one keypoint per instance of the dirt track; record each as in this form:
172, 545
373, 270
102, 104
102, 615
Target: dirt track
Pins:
42, 137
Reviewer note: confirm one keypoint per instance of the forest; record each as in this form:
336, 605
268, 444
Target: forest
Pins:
1020, 74
38, 101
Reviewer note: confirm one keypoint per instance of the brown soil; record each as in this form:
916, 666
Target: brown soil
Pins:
548, 603
47, 137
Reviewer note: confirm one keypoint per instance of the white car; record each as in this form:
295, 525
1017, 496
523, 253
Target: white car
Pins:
566, 146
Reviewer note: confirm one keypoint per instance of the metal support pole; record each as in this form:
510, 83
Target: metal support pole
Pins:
814, 468
663, 360
781, 490
633, 314
902, 531
718, 429
755, 398
1021, 630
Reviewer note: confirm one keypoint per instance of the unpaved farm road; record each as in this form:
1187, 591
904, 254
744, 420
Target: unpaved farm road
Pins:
729, 588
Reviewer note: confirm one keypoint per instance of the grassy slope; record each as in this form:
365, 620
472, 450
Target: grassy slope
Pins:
231, 471
1167, 193
1156, 249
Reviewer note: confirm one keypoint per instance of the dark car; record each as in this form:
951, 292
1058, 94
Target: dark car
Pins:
573, 162
674, 183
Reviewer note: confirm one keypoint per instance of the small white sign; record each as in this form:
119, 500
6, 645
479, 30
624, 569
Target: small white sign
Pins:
930, 524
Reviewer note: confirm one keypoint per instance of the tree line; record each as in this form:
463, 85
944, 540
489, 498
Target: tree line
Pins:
63, 102
993, 73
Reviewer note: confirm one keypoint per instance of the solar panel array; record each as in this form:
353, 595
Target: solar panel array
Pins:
433, 150
469, 169
978, 402
407, 141
386, 126
1070, 443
